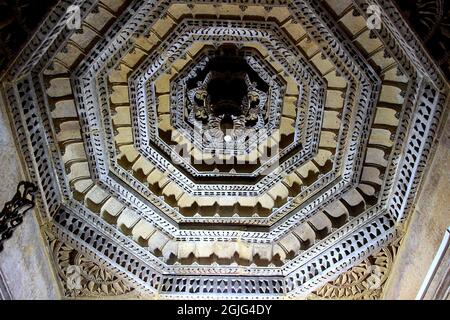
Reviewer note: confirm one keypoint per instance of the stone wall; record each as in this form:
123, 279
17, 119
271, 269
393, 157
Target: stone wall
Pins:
24, 262
427, 226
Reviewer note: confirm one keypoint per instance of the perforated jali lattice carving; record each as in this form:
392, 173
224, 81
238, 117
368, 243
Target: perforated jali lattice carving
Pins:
123, 125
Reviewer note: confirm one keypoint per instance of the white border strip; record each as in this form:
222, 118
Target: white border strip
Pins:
438, 258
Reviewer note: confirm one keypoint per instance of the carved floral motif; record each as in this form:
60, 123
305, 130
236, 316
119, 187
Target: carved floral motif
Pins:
81, 277
364, 281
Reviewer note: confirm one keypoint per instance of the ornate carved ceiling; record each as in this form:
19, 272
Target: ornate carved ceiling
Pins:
18, 20
241, 148
430, 21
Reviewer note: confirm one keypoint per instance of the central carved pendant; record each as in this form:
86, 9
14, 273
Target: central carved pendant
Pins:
227, 99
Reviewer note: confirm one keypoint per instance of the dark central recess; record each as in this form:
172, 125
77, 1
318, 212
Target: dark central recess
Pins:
227, 85
226, 93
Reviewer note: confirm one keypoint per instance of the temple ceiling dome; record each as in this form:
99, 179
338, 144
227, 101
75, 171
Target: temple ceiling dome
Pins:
239, 148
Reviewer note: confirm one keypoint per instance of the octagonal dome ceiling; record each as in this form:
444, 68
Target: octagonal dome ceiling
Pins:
239, 148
